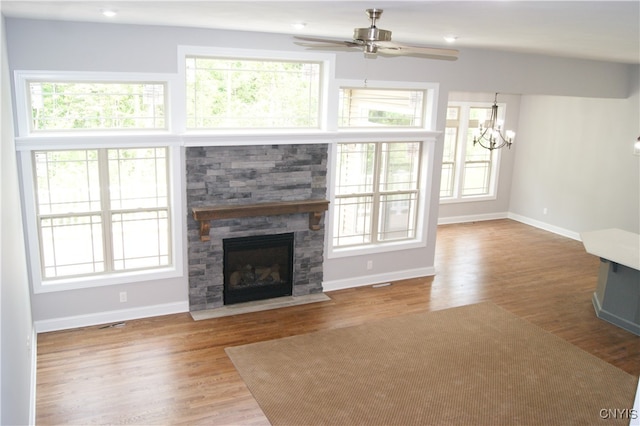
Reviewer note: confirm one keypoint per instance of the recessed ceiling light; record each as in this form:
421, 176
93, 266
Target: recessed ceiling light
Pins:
109, 13
450, 38
298, 25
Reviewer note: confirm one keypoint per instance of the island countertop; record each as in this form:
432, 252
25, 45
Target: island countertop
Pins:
615, 245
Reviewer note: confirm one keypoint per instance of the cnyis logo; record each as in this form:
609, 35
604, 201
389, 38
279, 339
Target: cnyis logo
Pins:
619, 413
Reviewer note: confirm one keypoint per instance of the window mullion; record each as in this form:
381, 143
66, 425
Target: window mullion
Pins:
453, 163
463, 131
377, 170
105, 204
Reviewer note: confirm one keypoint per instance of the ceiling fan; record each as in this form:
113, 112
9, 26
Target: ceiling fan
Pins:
373, 40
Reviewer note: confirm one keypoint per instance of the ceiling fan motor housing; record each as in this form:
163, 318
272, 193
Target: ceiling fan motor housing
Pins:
371, 34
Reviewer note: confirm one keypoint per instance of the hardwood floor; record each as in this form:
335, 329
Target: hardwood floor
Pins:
173, 370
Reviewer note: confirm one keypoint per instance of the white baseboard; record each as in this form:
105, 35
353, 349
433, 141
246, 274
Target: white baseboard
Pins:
471, 218
377, 278
66, 323
508, 215
547, 227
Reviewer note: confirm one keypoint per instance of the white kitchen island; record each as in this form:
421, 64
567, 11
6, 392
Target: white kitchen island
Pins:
617, 296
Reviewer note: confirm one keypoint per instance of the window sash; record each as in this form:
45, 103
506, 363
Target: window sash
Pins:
478, 161
57, 105
450, 152
69, 248
476, 178
245, 93
363, 107
103, 239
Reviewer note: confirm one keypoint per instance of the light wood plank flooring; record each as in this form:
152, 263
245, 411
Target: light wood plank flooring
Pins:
173, 370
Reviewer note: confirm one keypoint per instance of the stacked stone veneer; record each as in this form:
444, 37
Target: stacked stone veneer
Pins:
238, 175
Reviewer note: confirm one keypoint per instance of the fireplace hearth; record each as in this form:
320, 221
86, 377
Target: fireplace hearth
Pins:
257, 267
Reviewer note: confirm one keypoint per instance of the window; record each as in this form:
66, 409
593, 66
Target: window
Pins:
450, 152
468, 172
371, 107
102, 210
68, 105
377, 192
382, 163
237, 93
100, 203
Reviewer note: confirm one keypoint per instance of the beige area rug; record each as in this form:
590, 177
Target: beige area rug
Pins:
472, 365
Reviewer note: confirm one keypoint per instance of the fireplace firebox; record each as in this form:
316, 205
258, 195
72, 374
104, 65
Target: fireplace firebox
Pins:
257, 267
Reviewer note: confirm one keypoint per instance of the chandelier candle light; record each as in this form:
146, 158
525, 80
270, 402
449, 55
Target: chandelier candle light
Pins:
491, 137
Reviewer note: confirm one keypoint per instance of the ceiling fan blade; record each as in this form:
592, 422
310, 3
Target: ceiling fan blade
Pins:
328, 41
373, 40
390, 48
327, 47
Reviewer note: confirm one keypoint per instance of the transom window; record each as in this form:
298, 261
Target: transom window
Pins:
68, 105
102, 210
373, 107
250, 93
468, 171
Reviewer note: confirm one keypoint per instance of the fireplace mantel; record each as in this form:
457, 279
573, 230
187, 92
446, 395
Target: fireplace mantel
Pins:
206, 214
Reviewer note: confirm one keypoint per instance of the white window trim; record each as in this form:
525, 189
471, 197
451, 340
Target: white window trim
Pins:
430, 105
27, 142
427, 136
495, 163
428, 140
177, 225
23, 109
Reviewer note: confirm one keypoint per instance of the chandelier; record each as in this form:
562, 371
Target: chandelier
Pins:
491, 137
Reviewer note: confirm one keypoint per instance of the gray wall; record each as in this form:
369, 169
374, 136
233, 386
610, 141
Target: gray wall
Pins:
17, 345
47, 45
575, 158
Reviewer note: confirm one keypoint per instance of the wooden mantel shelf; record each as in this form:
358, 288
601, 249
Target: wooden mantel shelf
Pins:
313, 207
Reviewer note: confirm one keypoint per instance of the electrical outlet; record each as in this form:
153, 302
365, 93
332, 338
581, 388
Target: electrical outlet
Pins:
544, 211
123, 296
369, 265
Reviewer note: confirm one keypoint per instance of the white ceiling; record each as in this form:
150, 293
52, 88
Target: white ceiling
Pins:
601, 30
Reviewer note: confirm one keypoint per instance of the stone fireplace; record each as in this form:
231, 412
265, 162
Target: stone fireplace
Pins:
238, 178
